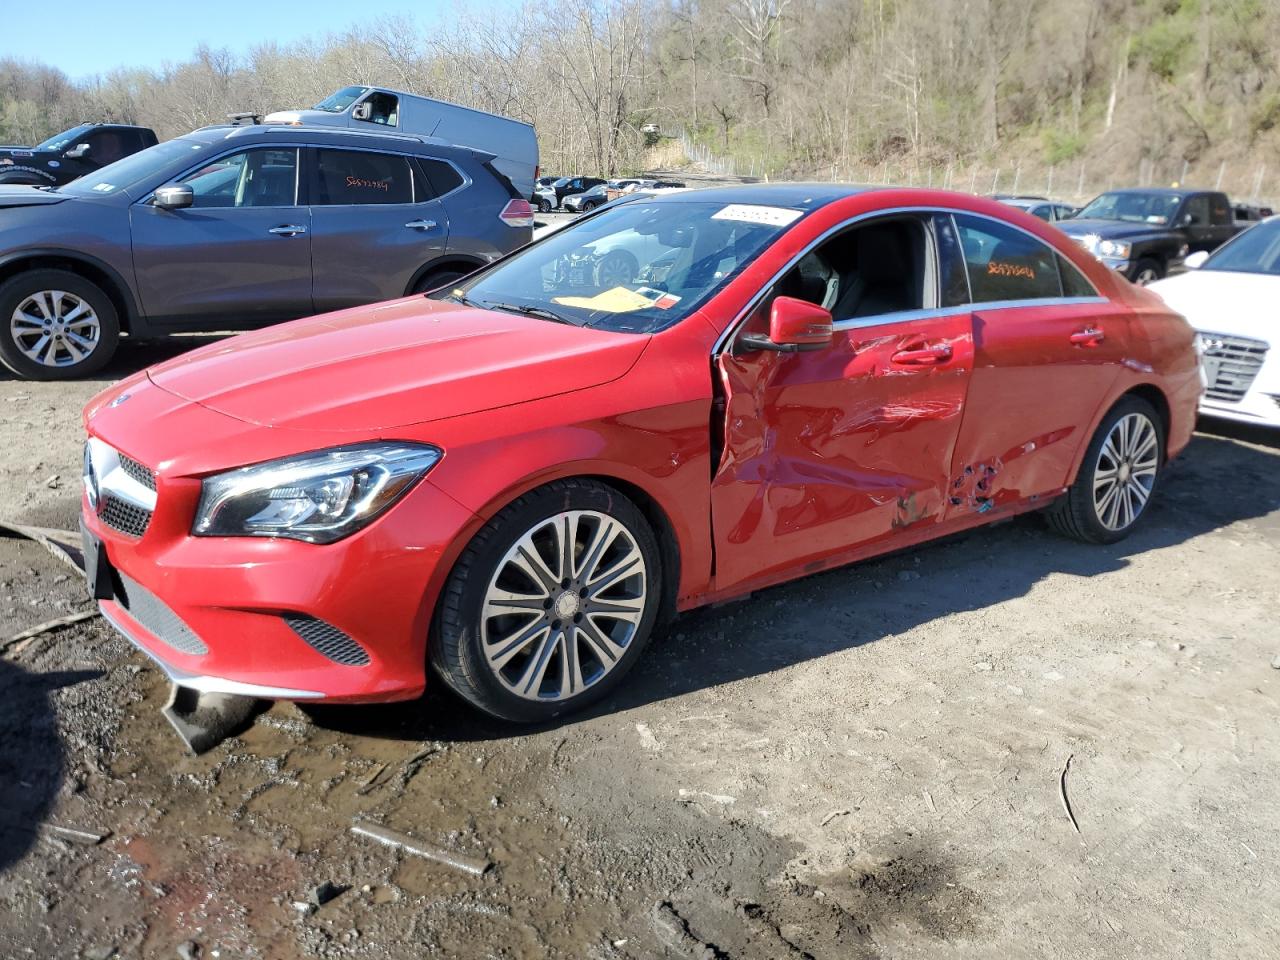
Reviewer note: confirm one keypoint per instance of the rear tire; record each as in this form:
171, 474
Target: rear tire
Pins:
1118, 476
56, 325
528, 630
544, 205
435, 279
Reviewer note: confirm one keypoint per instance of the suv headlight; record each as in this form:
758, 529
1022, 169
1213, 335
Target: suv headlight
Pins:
318, 497
1114, 248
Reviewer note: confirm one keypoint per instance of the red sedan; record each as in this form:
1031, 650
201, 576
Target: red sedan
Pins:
675, 401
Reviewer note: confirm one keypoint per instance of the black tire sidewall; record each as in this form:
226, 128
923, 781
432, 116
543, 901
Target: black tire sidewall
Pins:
437, 279
477, 683
1145, 263
1084, 481
14, 290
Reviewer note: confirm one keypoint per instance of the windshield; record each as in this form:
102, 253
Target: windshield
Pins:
1155, 208
1257, 250
337, 102
638, 267
142, 165
64, 139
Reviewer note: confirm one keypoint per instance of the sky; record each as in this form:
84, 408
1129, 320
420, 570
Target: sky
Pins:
88, 37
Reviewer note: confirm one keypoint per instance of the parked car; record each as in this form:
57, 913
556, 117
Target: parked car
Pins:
587, 200
512, 142
516, 480
568, 186
1230, 298
544, 198
1145, 233
233, 227
1046, 210
72, 153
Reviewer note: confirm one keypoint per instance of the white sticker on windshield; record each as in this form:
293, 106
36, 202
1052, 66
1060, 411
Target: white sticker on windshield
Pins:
104, 187
750, 213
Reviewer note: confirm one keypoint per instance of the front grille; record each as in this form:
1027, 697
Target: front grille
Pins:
1231, 364
327, 640
124, 516
140, 473
150, 611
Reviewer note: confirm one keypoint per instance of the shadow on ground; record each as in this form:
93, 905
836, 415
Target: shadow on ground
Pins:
1215, 483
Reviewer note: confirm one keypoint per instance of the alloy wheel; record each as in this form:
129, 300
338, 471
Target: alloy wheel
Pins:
563, 605
1146, 275
1126, 471
55, 328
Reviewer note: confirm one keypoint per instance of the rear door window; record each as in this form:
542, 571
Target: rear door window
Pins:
1220, 211
1006, 264
351, 177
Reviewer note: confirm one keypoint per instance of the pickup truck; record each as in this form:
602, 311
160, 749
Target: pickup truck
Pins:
1146, 233
72, 153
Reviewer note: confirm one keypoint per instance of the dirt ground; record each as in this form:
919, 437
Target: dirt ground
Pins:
867, 763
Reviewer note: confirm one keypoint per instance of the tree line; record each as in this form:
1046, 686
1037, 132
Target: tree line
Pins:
792, 86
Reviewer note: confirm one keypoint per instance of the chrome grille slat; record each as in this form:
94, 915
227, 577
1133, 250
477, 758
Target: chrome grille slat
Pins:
1234, 362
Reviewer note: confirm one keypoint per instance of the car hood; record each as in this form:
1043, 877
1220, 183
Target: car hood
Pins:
1109, 229
1221, 301
12, 195
394, 364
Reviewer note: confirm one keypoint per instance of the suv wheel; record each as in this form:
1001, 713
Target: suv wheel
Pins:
55, 325
544, 205
550, 604
436, 279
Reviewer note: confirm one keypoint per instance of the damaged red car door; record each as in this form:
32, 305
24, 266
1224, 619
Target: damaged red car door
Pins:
831, 450
1047, 351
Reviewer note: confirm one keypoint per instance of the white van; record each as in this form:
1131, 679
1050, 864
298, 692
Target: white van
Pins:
512, 142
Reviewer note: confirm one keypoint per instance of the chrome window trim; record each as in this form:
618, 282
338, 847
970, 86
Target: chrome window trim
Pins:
466, 179
113, 480
903, 316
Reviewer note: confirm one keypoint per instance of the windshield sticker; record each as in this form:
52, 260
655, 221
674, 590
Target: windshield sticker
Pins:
617, 300
751, 213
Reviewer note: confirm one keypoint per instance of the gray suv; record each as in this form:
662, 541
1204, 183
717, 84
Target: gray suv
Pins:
240, 226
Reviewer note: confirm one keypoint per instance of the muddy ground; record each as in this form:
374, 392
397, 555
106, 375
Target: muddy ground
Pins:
867, 763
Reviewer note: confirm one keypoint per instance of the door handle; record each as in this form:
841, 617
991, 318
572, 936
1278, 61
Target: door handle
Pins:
288, 230
421, 224
923, 356
1088, 338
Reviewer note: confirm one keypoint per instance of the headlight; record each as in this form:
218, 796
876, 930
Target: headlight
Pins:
318, 497
1089, 241
1114, 248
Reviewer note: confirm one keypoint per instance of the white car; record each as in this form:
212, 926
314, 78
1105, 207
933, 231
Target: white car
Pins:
1231, 298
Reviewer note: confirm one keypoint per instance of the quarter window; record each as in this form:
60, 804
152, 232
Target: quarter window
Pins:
441, 178
252, 178
1006, 264
347, 177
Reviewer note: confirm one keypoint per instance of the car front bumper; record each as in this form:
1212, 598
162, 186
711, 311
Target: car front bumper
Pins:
277, 618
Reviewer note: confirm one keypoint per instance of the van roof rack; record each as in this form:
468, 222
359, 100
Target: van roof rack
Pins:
244, 119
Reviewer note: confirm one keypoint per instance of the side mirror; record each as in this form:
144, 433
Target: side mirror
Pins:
174, 196
795, 326
1186, 220
78, 151
1196, 260
362, 111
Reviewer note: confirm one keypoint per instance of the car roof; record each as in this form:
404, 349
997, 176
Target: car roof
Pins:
343, 136
805, 196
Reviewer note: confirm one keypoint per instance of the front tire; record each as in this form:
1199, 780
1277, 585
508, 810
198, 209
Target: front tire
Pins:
436, 279
55, 325
1147, 271
1118, 477
544, 205
551, 604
